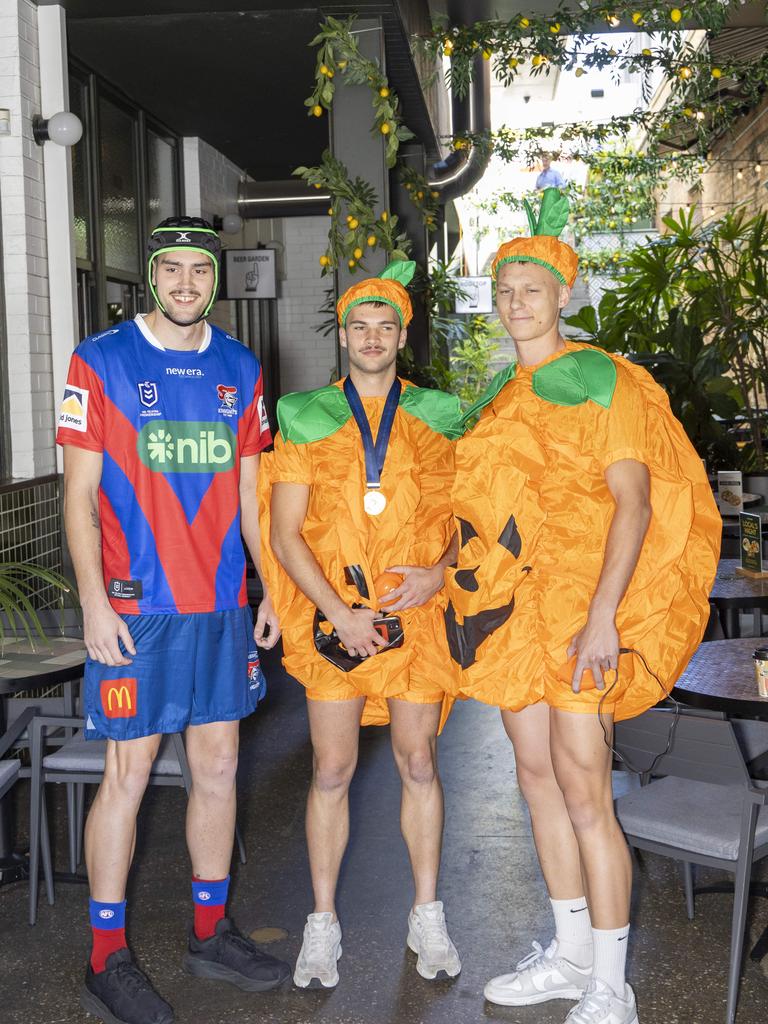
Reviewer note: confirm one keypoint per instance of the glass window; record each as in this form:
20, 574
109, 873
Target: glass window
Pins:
121, 301
119, 208
80, 174
162, 193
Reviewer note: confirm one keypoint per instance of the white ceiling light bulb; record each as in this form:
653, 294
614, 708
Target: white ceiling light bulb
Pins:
64, 128
231, 223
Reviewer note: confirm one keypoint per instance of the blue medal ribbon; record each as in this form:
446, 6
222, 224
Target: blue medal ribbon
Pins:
375, 453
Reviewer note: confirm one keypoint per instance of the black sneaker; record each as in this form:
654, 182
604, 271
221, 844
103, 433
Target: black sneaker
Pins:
230, 956
121, 994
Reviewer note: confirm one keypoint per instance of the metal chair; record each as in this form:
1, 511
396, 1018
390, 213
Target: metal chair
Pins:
706, 810
81, 761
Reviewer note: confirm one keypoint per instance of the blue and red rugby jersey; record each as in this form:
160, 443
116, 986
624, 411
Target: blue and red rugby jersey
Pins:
172, 427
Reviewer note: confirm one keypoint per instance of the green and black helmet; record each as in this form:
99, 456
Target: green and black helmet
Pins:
193, 234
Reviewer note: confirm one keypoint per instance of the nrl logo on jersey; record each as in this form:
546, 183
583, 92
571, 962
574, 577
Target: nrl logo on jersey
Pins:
149, 397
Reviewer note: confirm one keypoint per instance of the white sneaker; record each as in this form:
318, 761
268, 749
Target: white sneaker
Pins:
428, 938
320, 950
601, 1005
540, 976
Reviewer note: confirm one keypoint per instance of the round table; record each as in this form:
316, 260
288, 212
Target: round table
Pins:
732, 592
721, 677
24, 666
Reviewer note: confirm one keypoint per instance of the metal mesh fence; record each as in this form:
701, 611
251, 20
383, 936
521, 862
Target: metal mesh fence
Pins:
30, 531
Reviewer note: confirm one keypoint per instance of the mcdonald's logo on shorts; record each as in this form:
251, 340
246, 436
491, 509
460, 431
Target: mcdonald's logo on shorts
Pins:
118, 698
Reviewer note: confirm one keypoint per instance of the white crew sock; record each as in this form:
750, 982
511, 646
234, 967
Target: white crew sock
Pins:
611, 957
573, 931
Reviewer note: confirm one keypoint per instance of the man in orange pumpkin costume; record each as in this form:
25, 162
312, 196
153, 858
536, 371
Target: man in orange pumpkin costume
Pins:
587, 530
359, 486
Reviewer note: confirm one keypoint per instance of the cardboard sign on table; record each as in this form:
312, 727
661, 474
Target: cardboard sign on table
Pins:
751, 546
729, 492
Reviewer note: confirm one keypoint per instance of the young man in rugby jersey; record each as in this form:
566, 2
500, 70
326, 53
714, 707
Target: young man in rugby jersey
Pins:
163, 421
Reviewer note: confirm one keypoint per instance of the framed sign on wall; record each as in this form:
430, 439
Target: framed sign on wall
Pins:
250, 273
478, 295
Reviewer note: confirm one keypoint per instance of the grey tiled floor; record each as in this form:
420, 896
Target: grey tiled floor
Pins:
495, 900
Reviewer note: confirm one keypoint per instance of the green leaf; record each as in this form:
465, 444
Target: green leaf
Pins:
399, 270
553, 214
531, 216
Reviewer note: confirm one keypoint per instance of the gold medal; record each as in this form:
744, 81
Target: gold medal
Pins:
374, 503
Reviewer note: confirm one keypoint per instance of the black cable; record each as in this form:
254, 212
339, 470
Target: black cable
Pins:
672, 729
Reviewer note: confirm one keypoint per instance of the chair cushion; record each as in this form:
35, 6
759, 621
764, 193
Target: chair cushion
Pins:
82, 755
696, 816
9, 769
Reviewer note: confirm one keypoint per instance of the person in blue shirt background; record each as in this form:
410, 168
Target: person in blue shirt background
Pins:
549, 177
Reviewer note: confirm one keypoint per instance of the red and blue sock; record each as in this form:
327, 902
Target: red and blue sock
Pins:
210, 900
108, 930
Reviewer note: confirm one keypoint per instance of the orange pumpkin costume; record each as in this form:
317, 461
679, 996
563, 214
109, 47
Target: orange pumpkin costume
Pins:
319, 445
533, 510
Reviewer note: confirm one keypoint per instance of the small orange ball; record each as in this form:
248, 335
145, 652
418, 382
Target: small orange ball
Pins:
384, 584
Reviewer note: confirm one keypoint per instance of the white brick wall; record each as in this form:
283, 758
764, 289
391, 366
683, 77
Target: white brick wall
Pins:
307, 358
30, 379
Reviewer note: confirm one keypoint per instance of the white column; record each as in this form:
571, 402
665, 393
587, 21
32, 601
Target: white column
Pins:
192, 190
25, 262
59, 202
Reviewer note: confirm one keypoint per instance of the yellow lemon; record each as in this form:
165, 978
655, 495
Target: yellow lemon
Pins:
342, 64
384, 216
353, 222
350, 263
717, 73
383, 92
448, 47
487, 54
385, 129
647, 52
323, 69
317, 110
512, 62
555, 28
371, 240
676, 14
358, 253
688, 112
637, 18
524, 23
329, 73
419, 195
435, 195
330, 211
324, 261
685, 72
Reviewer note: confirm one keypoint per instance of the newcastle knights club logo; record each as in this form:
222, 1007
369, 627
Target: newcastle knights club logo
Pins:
147, 393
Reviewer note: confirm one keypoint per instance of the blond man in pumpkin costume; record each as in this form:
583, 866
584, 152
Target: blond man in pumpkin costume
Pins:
587, 530
358, 494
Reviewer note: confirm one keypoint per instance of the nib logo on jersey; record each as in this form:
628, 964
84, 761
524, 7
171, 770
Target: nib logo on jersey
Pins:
186, 446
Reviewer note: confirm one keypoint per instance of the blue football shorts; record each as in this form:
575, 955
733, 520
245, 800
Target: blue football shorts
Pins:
187, 670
